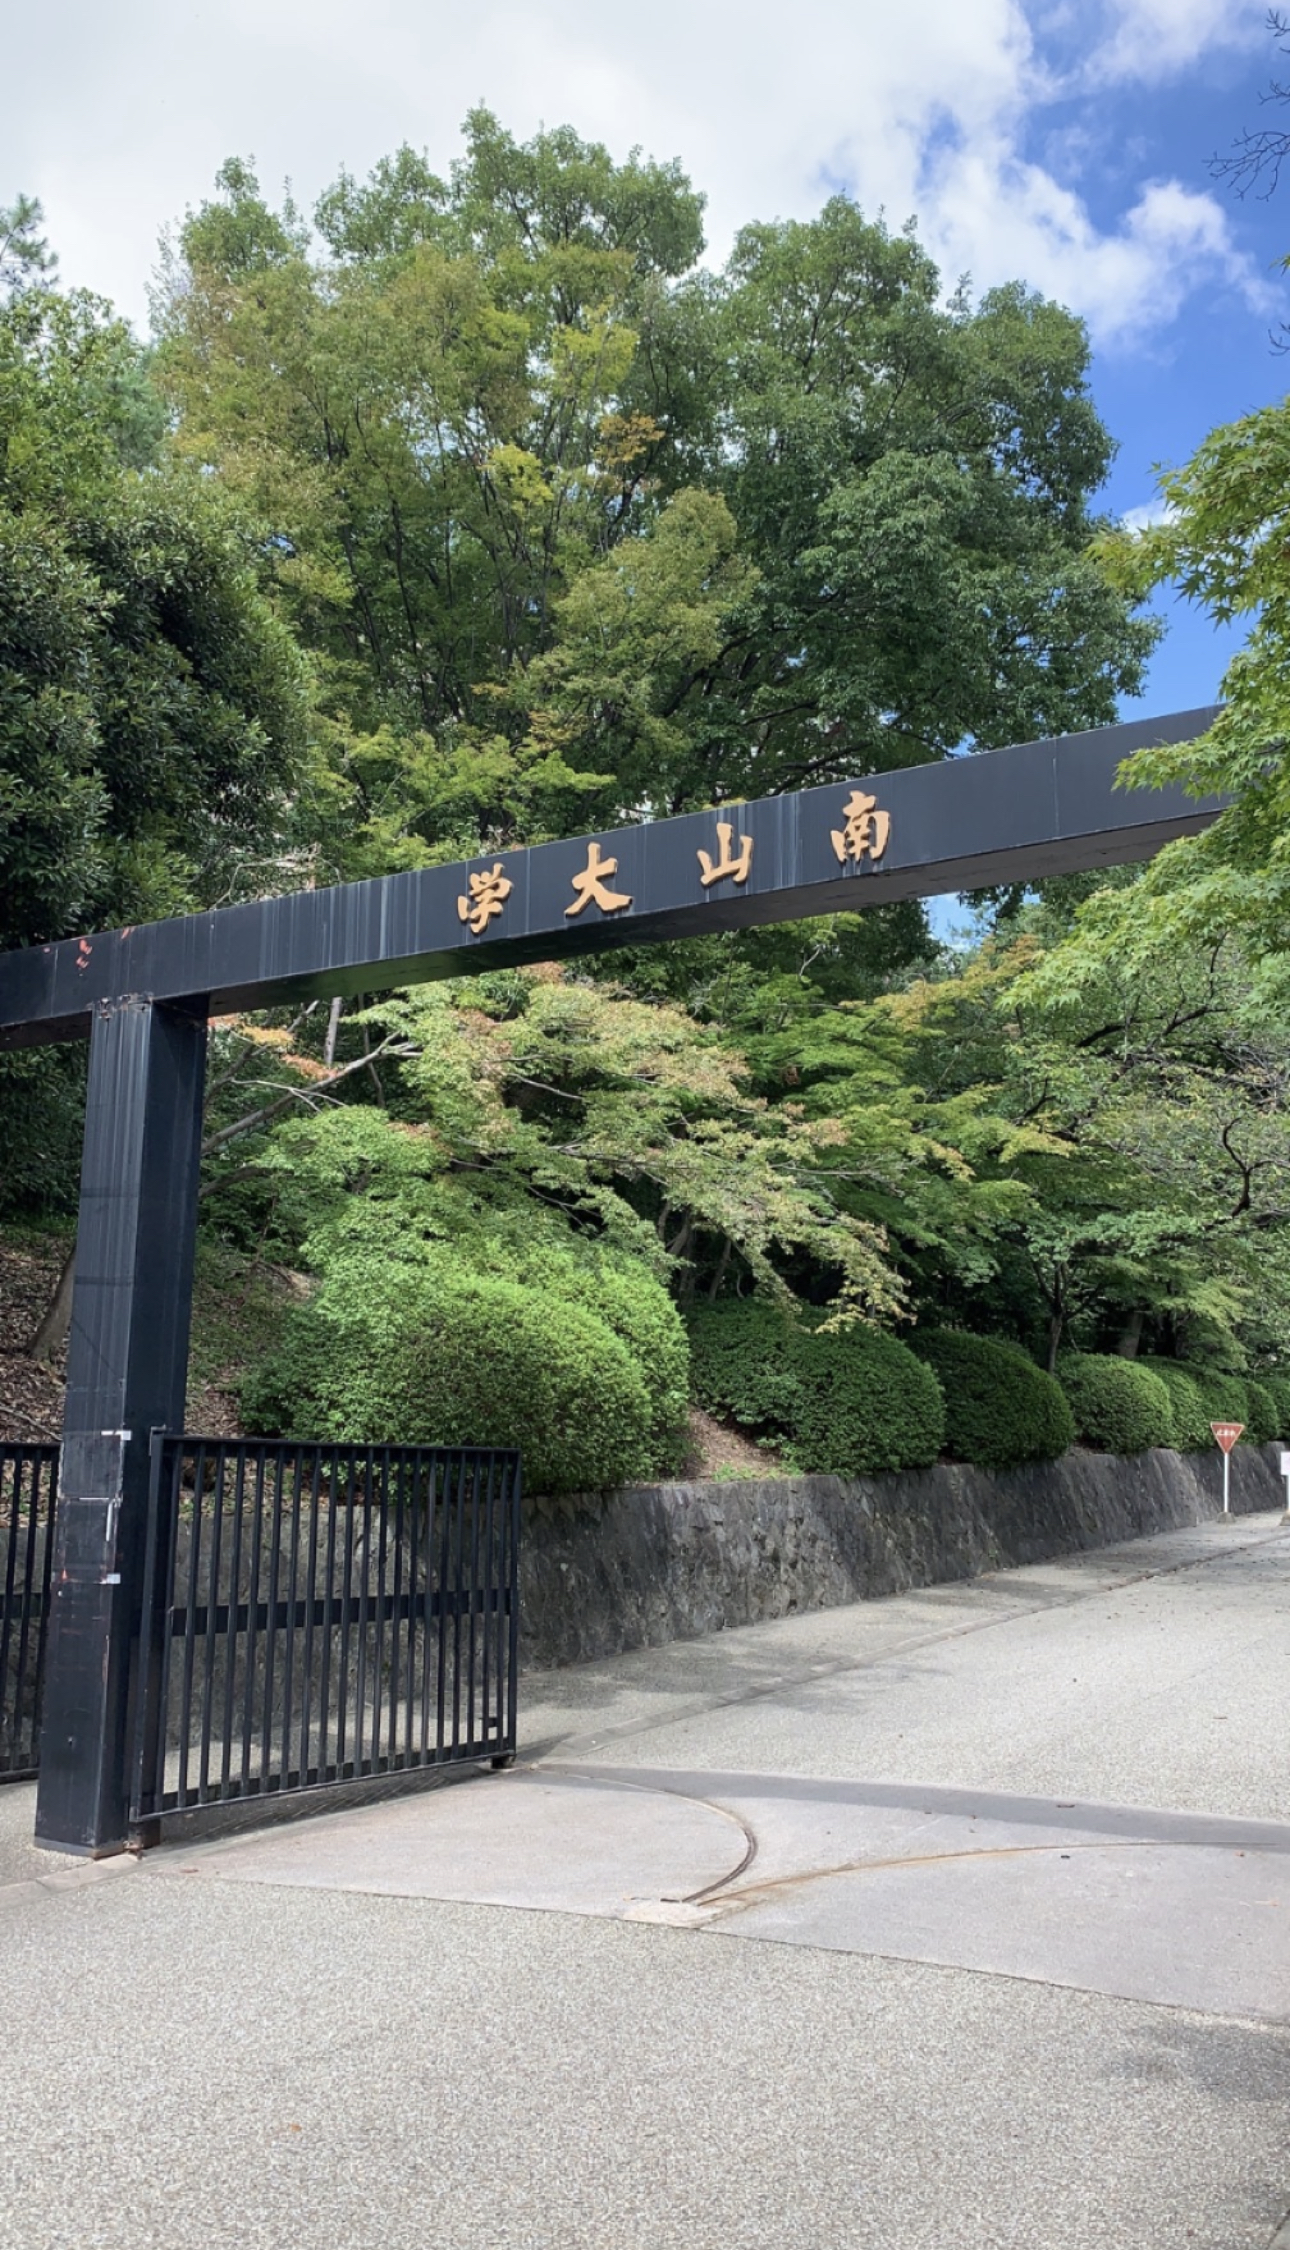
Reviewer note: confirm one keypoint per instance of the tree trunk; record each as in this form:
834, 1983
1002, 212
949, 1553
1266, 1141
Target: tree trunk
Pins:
1131, 1335
333, 1026
58, 1318
679, 1245
1056, 1323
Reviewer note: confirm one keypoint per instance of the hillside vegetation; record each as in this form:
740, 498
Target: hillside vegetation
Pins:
473, 510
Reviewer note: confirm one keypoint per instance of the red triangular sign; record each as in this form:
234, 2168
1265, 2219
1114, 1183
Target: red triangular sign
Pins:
1227, 1433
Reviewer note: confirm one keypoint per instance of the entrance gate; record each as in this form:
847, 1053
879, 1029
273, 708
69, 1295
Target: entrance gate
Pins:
312, 1614
144, 996
321, 1613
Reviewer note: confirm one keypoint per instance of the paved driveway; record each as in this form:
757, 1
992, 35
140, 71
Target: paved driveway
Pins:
956, 1919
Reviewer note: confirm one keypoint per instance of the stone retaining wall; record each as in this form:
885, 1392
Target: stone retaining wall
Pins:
672, 1561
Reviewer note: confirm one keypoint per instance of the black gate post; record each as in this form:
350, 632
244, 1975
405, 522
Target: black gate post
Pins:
126, 1374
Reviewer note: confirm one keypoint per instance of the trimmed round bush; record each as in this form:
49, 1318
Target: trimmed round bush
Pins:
1000, 1409
865, 1404
742, 1362
1225, 1394
1192, 1433
626, 1296
1119, 1406
1265, 1415
460, 1359
1277, 1384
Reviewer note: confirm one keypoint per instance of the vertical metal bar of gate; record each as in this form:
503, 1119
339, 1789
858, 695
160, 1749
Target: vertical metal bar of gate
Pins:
214, 1574
152, 1679
307, 1654
289, 1659
28, 1475
508, 1581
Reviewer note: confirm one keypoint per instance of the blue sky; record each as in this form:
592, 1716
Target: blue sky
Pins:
1160, 392
1063, 142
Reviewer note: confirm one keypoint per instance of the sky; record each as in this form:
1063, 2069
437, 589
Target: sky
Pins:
1065, 143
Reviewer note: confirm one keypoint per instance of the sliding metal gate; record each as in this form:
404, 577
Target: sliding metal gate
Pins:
314, 1614
28, 1477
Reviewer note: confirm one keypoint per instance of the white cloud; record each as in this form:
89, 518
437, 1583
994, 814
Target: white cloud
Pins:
1152, 39
1128, 282
1147, 515
117, 117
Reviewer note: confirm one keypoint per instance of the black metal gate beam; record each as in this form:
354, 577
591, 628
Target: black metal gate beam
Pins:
1041, 808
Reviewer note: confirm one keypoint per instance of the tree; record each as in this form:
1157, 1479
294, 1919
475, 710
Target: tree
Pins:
913, 484
1223, 542
1153, 1148
151, 705
429, 421
25, 255
575, 531
532, 1107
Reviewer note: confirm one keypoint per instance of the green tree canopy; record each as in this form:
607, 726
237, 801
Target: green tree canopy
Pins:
25, 255
1222, 541
152, 706
577, 530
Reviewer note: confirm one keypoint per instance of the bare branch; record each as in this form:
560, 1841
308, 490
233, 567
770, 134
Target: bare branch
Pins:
308, 1094
1257, 157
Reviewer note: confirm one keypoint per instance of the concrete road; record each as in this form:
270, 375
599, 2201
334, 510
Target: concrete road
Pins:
957, 1919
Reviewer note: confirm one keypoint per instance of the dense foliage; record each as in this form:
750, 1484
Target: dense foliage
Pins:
152, 706
1000, 1409
850, 1400
457, 1357
1222, 541
1226, 1395
865, 1404
1119, 1406
742, 1362
574, 530
1277, 1385
1265, 1414
1191, 1430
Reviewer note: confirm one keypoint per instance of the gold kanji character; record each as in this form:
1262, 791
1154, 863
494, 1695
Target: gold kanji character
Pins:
488, 895
592, 885
865, 830
737, 865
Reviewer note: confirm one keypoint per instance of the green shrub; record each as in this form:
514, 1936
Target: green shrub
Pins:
742, 1362
1225, 1395
455, 1358
865, 1403
1277, 1384
1119, 1406
626, 1296
1265, 1414
1000, 1409
1192, 1433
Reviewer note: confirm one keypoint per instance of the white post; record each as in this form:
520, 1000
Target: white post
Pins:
1227, 1470
1285, 1471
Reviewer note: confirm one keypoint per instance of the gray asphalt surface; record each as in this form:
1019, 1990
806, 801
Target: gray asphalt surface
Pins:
1154, 1673
235, 2062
